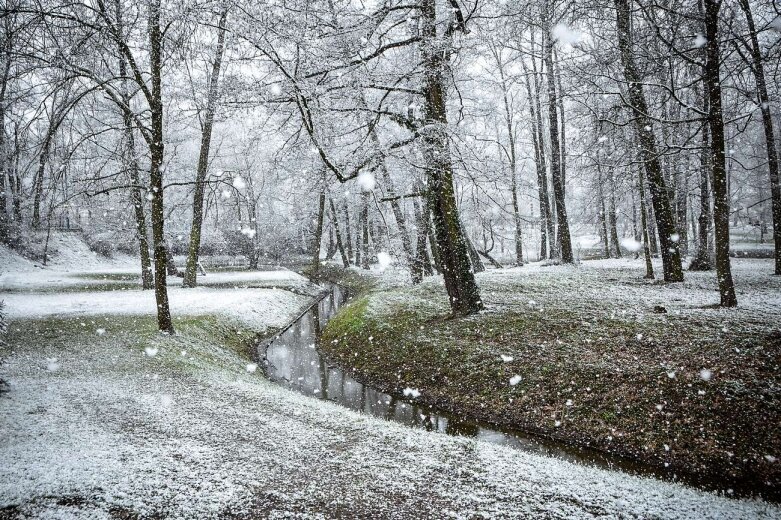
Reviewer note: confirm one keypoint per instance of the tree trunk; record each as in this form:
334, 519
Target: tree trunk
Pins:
671, 257
474, 256
560, 101
767, 124
358, 247
602, 210
318, 239
339, 244
331, 249
432, 239
614, 217
681, 192
191, 270
703, 262
462, 290
43, 158
423, 261
130, 164
716, 123
365, 259
6, 182
649, 266
635, 231
512, 156
348, 232
562, 232
157, 154
539, 160
652, 228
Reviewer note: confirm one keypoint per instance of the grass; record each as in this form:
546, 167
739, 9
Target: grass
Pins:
208, 341
618, 378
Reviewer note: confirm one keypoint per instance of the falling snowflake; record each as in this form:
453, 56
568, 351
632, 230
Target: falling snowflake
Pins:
514, 380
251, 367
239, 183
150, 351
506, 359
384, 259
412, 392
564, 34
52, 365
366, 181
700, 41
705, 374
630, 244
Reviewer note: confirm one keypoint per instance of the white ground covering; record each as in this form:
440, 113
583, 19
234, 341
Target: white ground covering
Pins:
67, 251
48, 279
197, 436
617, 286
252, 306
65, 273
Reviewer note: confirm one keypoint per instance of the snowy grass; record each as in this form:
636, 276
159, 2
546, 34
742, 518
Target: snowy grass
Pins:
107, 430
590, 349
105, 418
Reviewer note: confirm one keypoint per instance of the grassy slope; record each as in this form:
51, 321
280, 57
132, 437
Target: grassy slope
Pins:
591, 372
112, 432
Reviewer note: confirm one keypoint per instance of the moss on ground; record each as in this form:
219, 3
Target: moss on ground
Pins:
632, 384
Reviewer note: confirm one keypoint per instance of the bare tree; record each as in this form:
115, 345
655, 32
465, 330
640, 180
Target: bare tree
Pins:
191, 270
671, 257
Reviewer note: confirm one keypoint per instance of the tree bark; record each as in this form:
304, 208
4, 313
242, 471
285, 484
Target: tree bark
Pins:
43, 158
512, 157
602, 210
702, 261
614, 217
6, 181
767, 123
462, 289
539, 160
560, 102
671, 257
337, 231
348, 239
562, 232
130, 163
318, 238
191, 270
365, 259
423, 261
649, 266
157, 154
718, 162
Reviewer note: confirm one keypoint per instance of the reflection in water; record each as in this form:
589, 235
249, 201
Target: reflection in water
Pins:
292, 360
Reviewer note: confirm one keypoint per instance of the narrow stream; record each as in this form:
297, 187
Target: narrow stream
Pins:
292, 359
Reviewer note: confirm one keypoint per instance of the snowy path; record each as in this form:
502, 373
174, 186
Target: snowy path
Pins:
106, 430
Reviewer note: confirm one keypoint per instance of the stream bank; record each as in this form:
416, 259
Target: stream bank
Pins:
553, 357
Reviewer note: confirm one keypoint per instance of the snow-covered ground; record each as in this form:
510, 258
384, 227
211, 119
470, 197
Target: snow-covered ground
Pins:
94, 426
